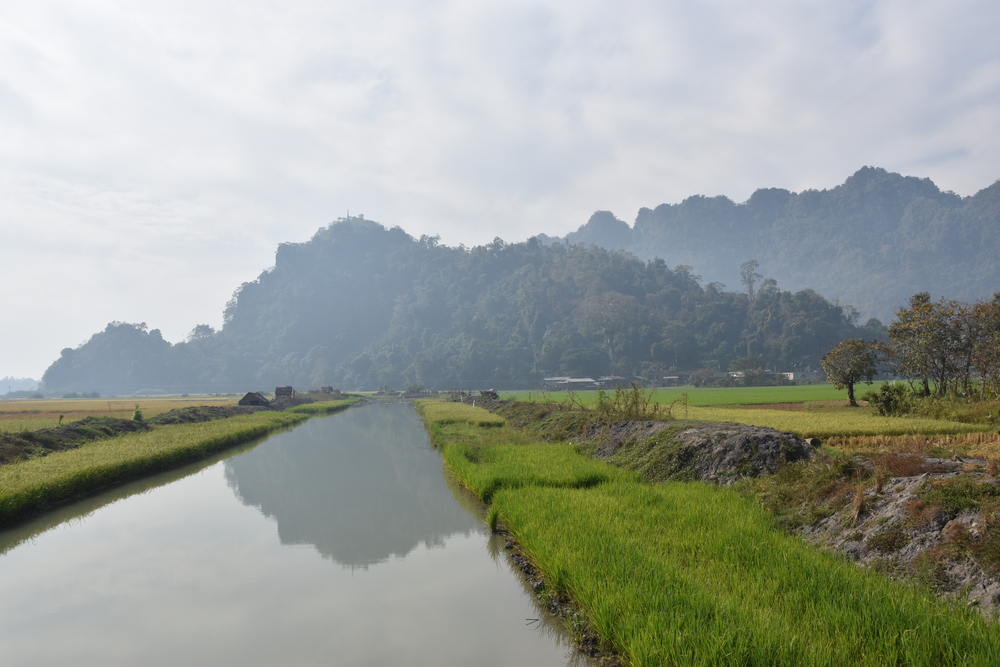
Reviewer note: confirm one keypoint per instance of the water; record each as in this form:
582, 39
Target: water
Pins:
338, 542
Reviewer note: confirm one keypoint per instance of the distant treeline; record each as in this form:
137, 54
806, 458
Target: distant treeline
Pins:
360, 306
873, 241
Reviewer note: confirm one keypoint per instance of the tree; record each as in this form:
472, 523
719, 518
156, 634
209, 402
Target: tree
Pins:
749, 275
851, 361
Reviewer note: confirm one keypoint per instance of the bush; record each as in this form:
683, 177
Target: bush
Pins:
634, 404
890, 400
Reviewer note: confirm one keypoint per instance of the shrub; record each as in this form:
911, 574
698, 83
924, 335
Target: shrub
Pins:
890, 400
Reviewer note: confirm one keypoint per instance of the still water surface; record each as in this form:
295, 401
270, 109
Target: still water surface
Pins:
338, 542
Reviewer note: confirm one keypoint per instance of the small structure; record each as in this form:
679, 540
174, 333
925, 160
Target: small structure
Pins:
569, 384
284, 392
489, 393
326, 390
254, 398
612, 381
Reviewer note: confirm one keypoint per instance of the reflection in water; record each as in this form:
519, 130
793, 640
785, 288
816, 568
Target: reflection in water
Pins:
179, 570
360, 486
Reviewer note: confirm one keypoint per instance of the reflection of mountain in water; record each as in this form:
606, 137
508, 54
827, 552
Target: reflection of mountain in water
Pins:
361, 486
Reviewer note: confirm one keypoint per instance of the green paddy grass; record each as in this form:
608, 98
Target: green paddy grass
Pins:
692, 574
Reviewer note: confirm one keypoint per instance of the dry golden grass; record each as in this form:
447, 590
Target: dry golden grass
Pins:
33, 414
984, 445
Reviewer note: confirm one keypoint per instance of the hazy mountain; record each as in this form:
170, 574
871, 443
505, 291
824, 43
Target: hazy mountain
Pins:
872, 242
359, 306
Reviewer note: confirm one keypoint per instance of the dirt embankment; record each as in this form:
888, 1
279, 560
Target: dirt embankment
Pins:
32, 444
659, 451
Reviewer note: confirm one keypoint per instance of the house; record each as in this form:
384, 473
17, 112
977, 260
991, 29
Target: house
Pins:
284, 392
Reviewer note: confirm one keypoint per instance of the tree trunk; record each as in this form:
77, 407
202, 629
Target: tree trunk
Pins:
850, 394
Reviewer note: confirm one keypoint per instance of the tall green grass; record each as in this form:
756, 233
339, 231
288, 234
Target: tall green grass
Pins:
690, 574
33, 485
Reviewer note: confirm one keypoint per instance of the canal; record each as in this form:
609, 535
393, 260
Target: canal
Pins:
339, 542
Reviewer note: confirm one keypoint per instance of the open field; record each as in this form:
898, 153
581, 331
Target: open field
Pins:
704, 396
842, 422
818, 411
32, 414
719, 584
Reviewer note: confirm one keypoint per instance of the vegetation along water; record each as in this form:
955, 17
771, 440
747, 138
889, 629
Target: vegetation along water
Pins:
687, 573
39, 483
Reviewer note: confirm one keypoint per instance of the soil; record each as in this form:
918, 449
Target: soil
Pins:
203, 413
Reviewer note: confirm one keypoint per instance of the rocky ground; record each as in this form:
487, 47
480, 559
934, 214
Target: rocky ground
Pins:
938, 527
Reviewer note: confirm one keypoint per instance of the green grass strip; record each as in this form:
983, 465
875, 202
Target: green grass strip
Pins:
688, 574
322, 407
31, 486
692, 574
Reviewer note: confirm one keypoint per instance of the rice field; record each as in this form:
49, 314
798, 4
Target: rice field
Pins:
807, 411
706, 396
36, 484
33, 414
845, 422
690, 574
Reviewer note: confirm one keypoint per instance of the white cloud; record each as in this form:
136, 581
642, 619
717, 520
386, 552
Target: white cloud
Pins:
155, 153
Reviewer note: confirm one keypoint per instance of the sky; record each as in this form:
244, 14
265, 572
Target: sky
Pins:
153, 155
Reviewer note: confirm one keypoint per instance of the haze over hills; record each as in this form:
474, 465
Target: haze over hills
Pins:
871, 242
360, 306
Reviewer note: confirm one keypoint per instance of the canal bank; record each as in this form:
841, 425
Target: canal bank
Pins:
336, 542
39, 484
687, 573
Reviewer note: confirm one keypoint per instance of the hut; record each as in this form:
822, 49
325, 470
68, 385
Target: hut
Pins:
254, 398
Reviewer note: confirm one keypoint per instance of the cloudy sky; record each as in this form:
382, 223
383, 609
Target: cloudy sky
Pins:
154, 154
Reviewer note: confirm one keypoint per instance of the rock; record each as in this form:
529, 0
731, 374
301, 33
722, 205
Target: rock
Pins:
717, 453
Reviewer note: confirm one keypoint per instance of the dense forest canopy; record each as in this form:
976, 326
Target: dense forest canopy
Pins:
360, 306
872, 242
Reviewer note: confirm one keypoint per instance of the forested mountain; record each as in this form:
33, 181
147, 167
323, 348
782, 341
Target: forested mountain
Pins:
360, 306
872, 242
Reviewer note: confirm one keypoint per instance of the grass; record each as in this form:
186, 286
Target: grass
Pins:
690, 574
321, 407
705, 396
37, 484
842, 422
442, 412
34, 414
